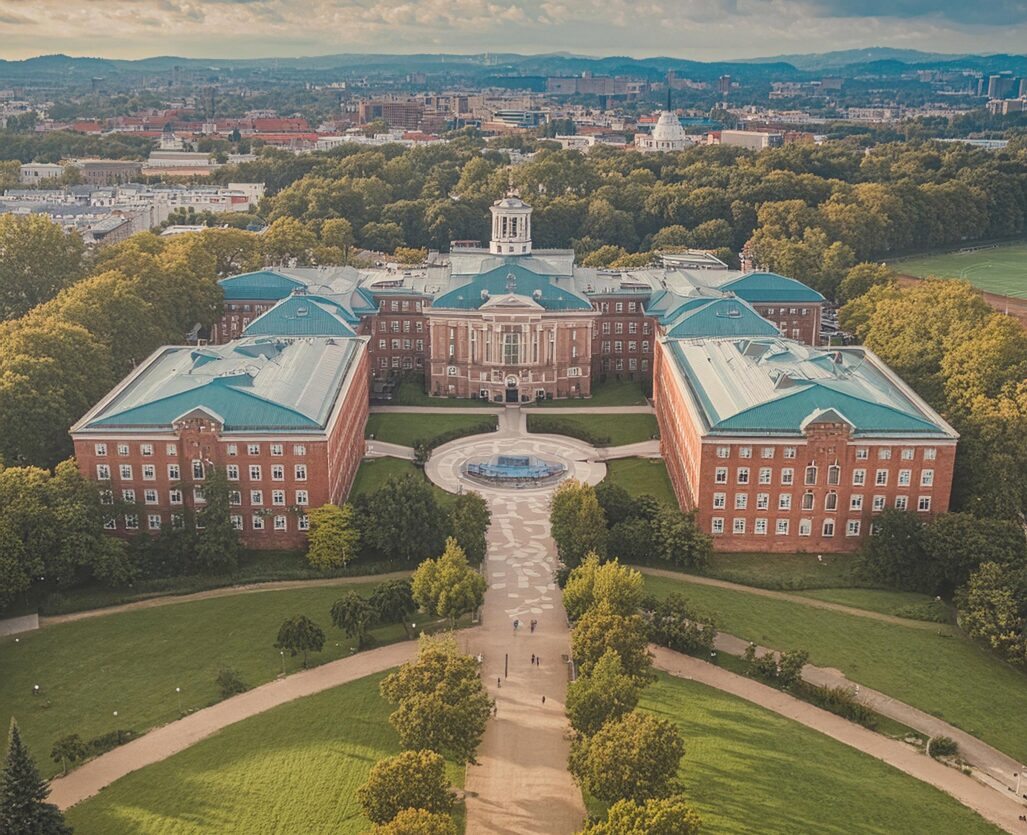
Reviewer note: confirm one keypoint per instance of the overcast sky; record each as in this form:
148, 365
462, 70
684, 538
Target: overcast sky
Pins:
697, 29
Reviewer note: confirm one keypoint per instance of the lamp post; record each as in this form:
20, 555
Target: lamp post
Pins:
178, 692
281, 652
35, 689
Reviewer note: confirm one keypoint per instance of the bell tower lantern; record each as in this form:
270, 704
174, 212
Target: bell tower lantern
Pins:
511, 226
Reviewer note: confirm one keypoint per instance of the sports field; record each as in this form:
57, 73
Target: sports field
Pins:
1000, 269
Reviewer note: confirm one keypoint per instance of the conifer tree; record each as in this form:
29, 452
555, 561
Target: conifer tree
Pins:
23, 793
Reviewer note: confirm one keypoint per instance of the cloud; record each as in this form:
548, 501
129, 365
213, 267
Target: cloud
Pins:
699, 29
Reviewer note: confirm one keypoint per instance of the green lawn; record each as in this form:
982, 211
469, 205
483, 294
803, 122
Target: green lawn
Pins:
295, 768
413, 394
374, 472
903, 604
751, 771
132, 662
610, 393
620, 429
932, 668
784, 571
1001, 269
406, 427
642, 475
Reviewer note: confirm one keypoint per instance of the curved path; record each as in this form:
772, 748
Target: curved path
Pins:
224, 591
162, 742
1002, 811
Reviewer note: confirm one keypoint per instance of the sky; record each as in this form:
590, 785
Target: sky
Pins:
695, 29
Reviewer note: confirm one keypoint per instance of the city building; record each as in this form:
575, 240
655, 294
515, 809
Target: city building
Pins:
753, 140
34, 173
282, 418
782, 447
666, 135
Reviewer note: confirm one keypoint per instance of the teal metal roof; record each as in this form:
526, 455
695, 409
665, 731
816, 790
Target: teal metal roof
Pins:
252, 384
515, 279
302, 315
263, 285
719, 318
774, 386
770, 287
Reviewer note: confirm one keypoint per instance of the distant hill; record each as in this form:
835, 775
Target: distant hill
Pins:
846, 57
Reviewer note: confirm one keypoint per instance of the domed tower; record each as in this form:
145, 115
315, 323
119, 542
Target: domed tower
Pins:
511, 226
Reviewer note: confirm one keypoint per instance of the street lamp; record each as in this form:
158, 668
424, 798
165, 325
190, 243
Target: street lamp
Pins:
281, 652
178, 692
35, 689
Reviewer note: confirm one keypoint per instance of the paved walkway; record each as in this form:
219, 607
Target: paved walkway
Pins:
15, 626
1001, 810
226, 591
161, 743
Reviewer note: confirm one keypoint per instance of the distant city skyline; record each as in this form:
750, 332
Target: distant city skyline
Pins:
706, 31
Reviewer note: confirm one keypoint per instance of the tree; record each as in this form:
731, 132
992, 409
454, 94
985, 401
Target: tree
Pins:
957, 543
409, 780
38, 259
632, 540
441, 701
578, 524
23, 793
674, 624
392, 601
894, 555
993, 609
448, 587
635, 757
334, 538
300, 634
402, 520
616, 502
861, 278
469, 520
217, 546
287, 239
416, 822
68, 750
656, 816
353, 615
606, 693
599, 629
593, 583
338, 232
678, 540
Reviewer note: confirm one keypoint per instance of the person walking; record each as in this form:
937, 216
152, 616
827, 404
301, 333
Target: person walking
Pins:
533, 659
499, 681
543, 700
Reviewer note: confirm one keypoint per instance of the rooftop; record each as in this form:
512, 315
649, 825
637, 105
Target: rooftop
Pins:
774, 386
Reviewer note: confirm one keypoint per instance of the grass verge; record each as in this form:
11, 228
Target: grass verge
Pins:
295, 768
597, 429
404, 428
608, 393
642, 475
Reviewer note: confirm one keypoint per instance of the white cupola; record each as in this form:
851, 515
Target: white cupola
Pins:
511, 226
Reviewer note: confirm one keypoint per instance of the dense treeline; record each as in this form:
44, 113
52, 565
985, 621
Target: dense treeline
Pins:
805, 210
53, 146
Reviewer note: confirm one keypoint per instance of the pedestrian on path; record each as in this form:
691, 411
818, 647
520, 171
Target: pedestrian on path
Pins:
534, 623
538, 660
533, 659
495, 710
499, 681
543, 700
516, 624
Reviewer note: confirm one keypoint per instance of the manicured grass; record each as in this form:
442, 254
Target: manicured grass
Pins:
902, 604
374, 472
784, 571
620, 429
1000, 269
406, 427
413, 394
749, 770
295, 768
132, 662
609, 393
642, 475
934, 668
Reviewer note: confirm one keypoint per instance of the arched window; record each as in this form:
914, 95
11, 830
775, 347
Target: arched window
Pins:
831, 501
834, 474
807, 501
811, 474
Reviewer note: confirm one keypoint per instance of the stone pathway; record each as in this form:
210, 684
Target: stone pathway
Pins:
1003, 811
162, 742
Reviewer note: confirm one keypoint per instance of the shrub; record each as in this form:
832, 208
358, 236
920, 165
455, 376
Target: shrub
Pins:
942, 746
109, 741
409, 780
840, 701
674, 625
229, 684
480, 428
547, 425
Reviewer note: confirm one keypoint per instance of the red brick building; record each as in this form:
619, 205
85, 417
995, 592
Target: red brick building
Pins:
283, 418
780, 447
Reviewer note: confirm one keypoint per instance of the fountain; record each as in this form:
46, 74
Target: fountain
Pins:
514, 471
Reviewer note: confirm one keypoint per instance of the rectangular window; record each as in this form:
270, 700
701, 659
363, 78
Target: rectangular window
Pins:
277, 472
743, 475
881, 478
257, 520
233, 449
198, 470
110, 525
723, 452
149, 472
103, 472
787, 476
745, 452
930, 453
302, 498
784, 501
907, 453
902, 502
281, 523
128, 496
852, 527
303, 523
106, 497
878, 502
717, 525
923, 504
862, 453
299, 449
760, 527
146, 449
131, 522
884, 454
100, 449
234, 497
789, 452
277, 449
905, 476
125, 471
859, 478
828, 528
255, 472
236, 521
300, 472
856, 501
763, 501
233, 472
926, 478
720, 476
741, 501
153, 521
150, 496
719, 501
122, 449
253, 449
198, 496
278, 498
805, 527
174, 474
767, 452
765, 475
175, 496
738, 525
256, 497
171, 449
781, 527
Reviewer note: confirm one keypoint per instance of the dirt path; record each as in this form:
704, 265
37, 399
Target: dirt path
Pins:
994, 807
227, 591
812, 602
162, 742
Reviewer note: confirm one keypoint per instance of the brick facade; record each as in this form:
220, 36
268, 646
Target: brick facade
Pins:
799, 321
